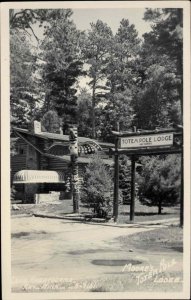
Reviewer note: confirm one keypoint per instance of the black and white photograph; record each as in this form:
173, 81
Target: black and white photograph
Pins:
95, 164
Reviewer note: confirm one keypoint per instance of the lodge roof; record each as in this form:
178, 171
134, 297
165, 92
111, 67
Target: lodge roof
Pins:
60, 137
86, 160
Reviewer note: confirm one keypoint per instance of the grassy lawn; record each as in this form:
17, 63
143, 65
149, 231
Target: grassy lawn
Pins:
142, 212
170, 238
146, 213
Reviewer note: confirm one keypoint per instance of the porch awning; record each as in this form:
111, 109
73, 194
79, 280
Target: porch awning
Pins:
38, 176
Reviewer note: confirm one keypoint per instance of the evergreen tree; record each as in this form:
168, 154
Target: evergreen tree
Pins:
51, 122
95, 49
158, 94
124, 49
98, 187
159, 181
84, 114
25, 90
60, 50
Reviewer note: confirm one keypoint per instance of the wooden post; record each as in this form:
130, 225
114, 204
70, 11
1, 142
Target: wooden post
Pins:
132, 206
182, 191
116, 180
73, 137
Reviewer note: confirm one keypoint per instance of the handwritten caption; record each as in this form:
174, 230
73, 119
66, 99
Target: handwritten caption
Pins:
147, 272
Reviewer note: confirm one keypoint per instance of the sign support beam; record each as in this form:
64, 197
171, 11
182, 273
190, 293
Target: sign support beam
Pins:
116, 189
116, 180
182, 192
132, 206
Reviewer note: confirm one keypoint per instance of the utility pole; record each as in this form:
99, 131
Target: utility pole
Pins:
73, 138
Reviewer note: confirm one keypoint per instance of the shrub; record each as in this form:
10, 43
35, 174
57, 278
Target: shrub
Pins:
159, 181
13, 193
97, 190
125, 179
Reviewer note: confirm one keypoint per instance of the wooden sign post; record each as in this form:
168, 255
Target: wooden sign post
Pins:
116, 185
182, 192
132, 205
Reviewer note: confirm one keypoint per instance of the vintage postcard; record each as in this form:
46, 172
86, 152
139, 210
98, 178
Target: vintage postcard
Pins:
95, 128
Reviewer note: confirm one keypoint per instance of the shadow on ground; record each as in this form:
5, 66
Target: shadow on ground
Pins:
145, 213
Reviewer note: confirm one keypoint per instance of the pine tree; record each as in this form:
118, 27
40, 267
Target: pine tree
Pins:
51, 122
61, 52
95, 49
159, 181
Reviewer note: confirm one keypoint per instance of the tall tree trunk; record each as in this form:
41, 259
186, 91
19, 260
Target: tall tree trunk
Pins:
93, 111
159, 206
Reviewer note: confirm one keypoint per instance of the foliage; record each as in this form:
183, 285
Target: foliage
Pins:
159, 180
95, 49
119, 73
133, 82
51, 122
118, 110
84, 114
13, 150
167, 32
97, 188
13, 193
123, 51
159, 90
24, 19
60, 51
25, 91
156, 100
124, 178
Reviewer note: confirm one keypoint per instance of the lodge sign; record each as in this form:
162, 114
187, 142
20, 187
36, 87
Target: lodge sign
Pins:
151, 140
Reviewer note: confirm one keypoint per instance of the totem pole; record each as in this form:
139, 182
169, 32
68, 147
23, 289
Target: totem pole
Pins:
73, 138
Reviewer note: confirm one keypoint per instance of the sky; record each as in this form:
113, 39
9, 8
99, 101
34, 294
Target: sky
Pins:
111, 16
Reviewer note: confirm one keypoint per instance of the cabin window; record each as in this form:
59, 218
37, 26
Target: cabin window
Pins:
19, 149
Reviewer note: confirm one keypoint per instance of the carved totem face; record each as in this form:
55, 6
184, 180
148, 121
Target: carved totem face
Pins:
73, 148
73, 142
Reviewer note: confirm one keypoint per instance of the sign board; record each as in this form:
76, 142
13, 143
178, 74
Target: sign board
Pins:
151, 140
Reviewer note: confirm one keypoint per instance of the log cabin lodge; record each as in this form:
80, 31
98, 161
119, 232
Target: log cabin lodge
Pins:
41, 162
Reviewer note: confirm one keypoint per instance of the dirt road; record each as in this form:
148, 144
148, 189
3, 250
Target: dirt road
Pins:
49, 249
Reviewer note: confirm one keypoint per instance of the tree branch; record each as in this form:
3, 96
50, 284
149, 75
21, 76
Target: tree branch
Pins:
34, 33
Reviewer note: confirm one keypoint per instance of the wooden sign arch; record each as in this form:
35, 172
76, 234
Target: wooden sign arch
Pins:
135, 144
